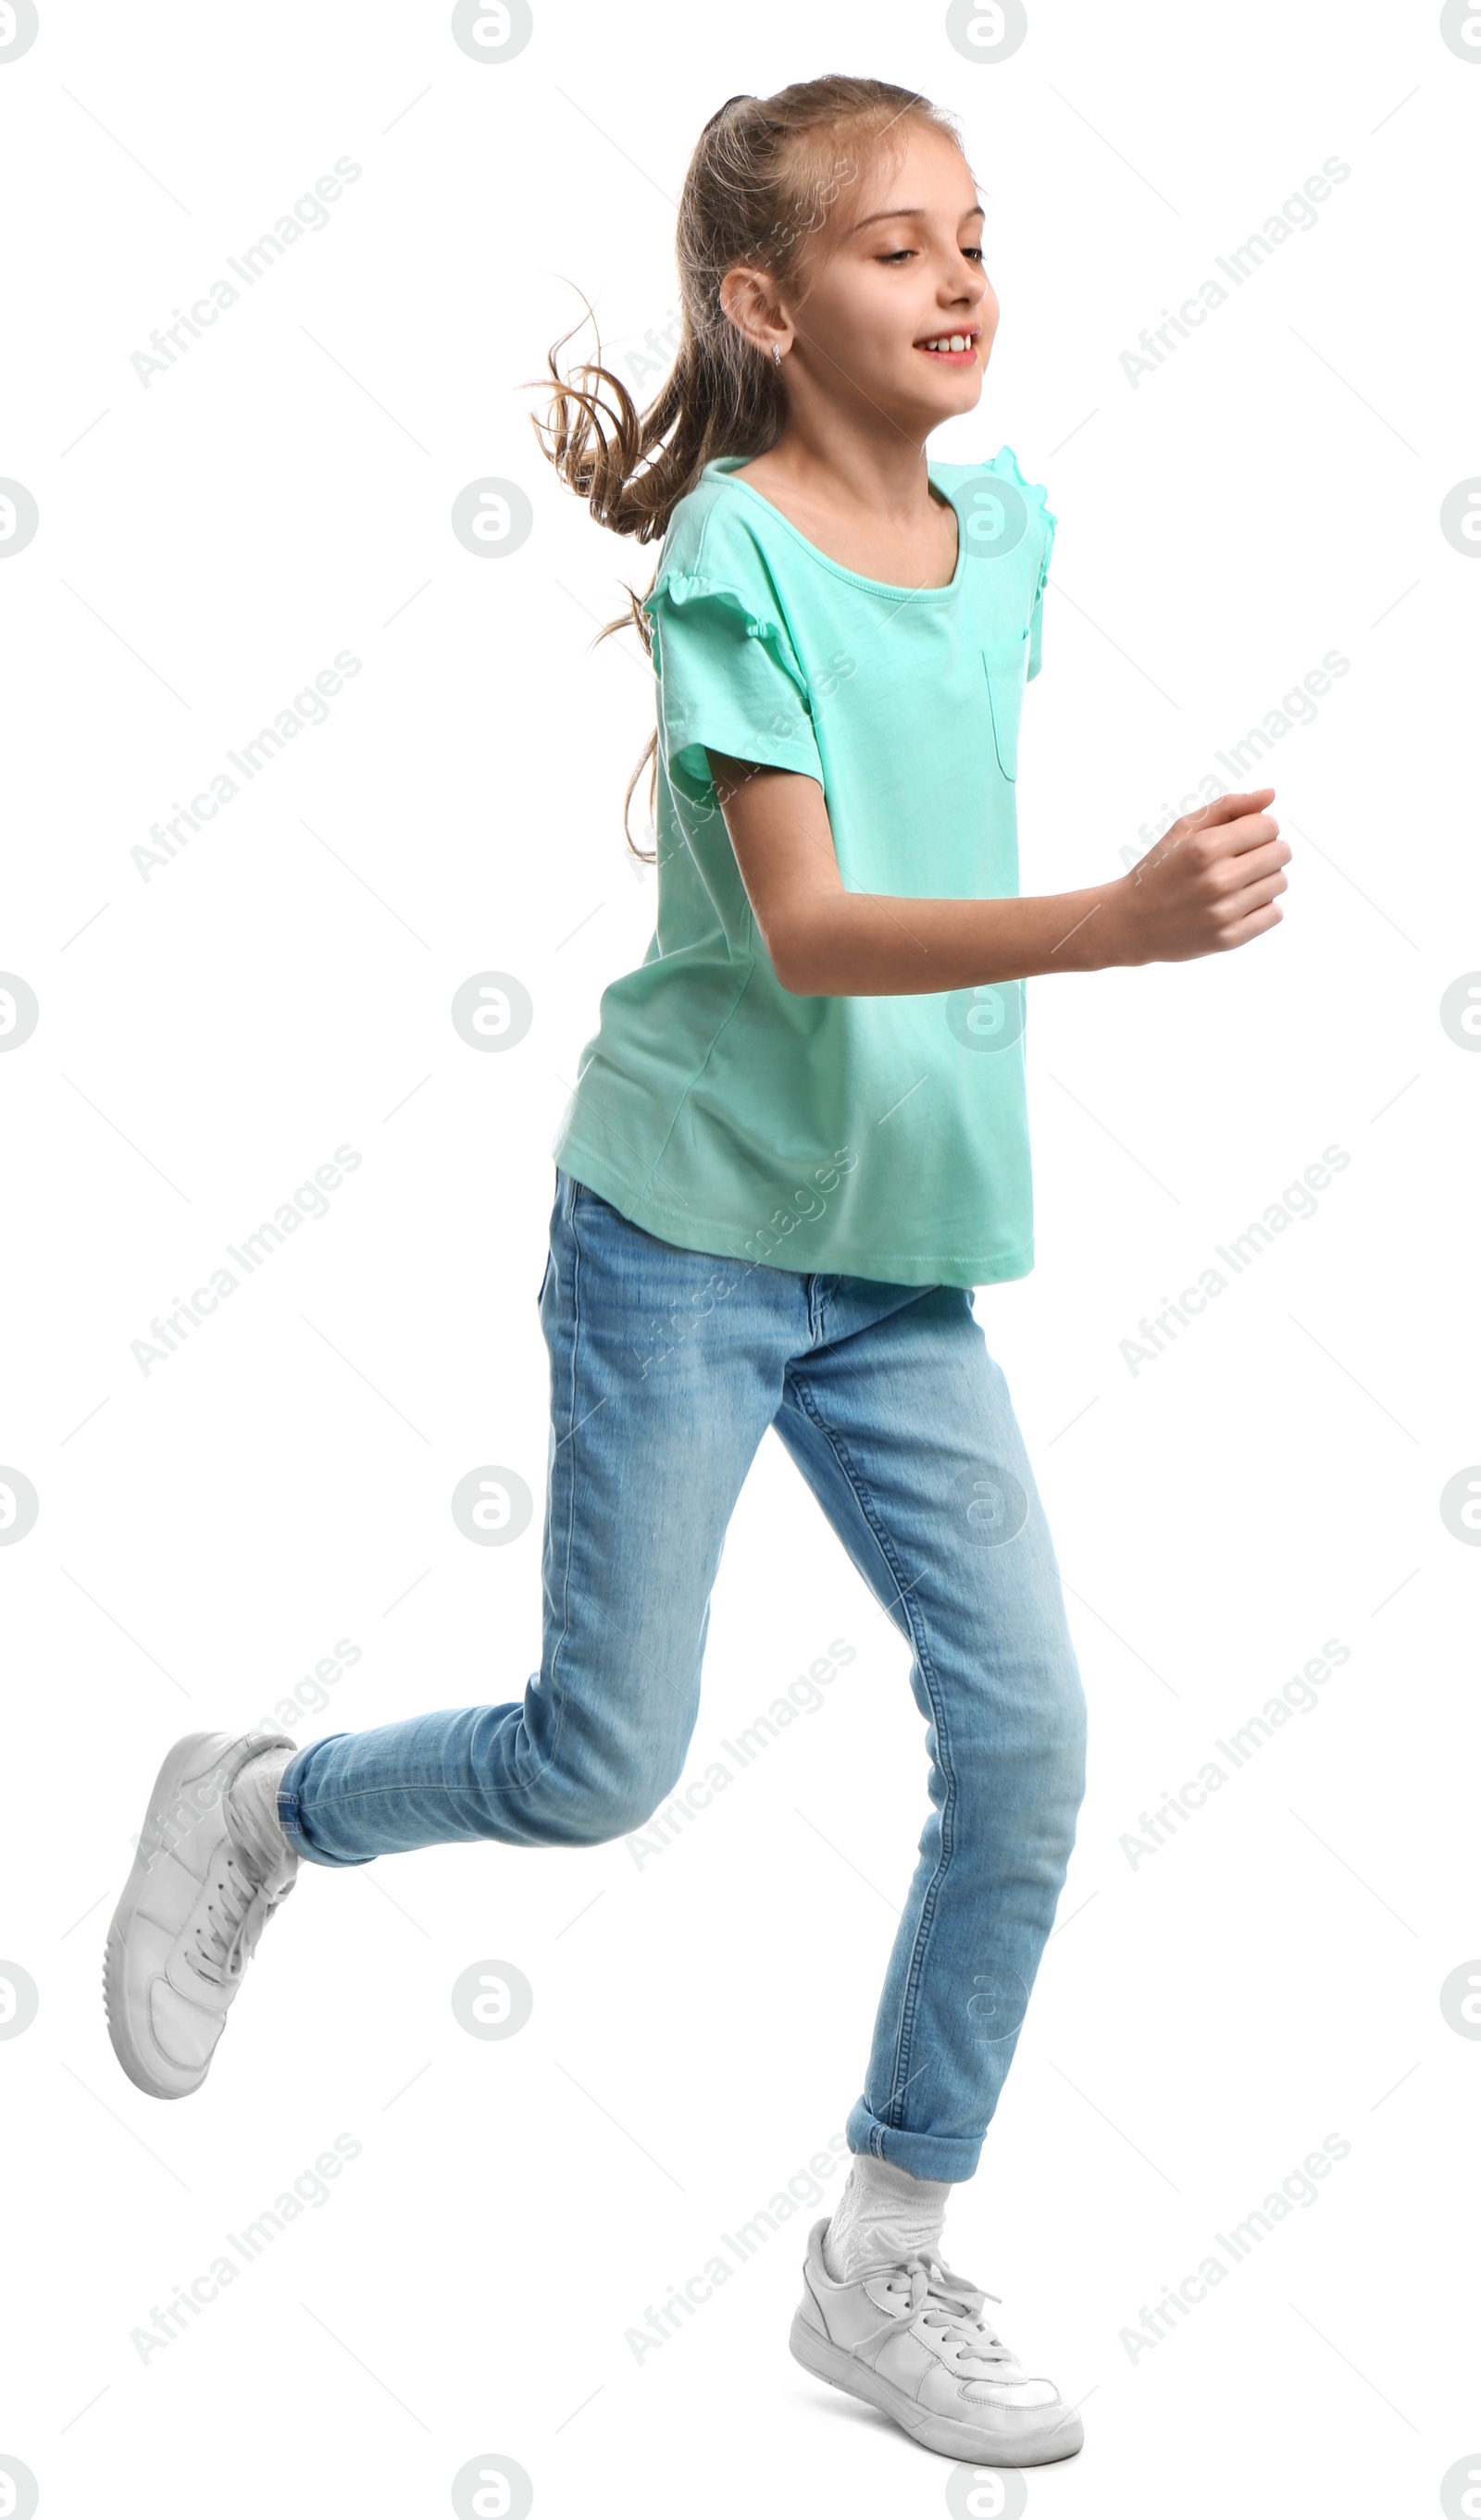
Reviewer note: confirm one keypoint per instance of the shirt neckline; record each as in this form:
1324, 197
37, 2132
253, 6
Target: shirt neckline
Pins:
726, 466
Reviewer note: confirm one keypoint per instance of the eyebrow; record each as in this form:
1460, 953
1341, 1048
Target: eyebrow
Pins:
977, 211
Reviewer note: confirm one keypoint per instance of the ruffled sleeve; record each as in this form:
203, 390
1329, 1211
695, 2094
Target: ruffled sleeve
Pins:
729, 679
1041, 525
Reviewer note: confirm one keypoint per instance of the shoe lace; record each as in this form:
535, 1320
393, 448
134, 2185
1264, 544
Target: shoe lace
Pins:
950, 2305
236, 1912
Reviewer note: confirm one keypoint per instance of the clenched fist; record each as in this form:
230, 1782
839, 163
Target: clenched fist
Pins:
1208, 884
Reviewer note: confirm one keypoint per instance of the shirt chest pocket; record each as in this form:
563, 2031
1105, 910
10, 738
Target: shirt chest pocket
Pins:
1006, 662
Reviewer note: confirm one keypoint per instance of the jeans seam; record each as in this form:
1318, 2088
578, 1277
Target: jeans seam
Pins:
571, 1518
910, 2004
417, 1785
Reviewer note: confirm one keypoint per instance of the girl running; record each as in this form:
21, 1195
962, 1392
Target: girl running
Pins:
797, 1144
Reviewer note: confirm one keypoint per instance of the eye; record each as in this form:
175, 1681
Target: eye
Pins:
972, 253
901, 254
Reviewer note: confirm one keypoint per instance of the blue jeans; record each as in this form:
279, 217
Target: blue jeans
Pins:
667, 1367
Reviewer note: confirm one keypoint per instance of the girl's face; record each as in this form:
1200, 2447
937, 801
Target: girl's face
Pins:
897, 310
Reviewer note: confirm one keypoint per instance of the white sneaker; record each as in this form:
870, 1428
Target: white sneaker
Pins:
911, 2340
188, 1921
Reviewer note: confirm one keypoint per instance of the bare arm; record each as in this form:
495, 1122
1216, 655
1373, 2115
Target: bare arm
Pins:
1208, 884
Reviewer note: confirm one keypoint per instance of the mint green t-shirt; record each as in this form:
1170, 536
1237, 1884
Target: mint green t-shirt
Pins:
879, 1137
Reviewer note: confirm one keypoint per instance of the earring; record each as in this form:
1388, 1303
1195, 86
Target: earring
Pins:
775, 354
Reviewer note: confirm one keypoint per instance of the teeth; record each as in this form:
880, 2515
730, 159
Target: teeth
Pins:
951, 342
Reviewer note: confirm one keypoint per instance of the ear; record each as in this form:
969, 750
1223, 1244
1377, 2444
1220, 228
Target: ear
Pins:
745, 297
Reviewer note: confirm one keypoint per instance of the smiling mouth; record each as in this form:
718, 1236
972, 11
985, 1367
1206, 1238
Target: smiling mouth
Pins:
956, 348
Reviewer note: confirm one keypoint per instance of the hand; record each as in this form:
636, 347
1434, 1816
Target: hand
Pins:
1208, 884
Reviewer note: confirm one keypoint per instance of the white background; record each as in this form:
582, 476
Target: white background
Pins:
207, 1038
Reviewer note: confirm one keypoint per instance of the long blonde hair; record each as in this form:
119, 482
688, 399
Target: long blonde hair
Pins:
764, 175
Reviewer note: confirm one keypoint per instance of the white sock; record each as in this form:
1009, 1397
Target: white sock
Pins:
883, 2215
252, 1812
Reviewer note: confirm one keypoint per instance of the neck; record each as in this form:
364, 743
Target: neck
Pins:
850, 463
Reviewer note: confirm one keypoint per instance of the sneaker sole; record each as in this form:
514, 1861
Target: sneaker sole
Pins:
947, 2434
164, 1798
